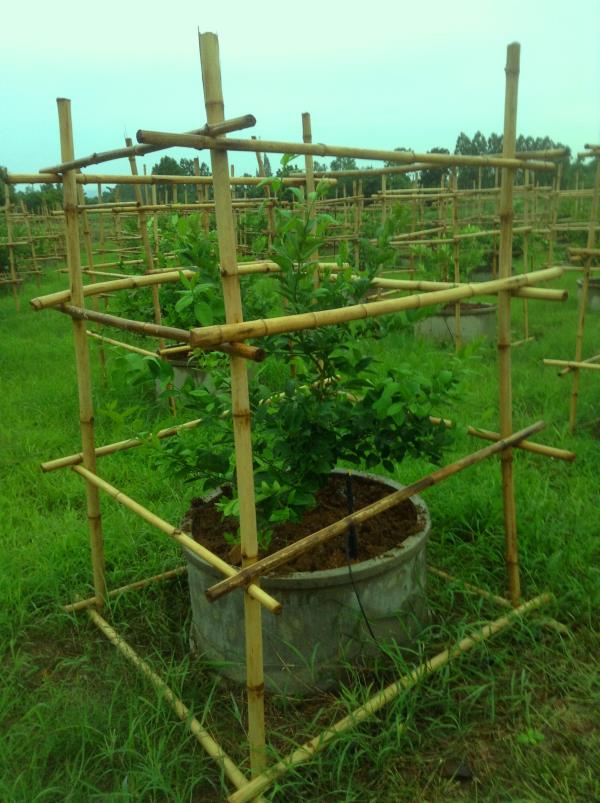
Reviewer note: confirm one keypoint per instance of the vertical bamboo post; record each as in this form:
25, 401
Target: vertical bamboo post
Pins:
591, 239
27, 224
554, 215
87, 239
82, 357
100, 222
213, 98
526, 250
504, 333
456, 259
12, 265
383, 198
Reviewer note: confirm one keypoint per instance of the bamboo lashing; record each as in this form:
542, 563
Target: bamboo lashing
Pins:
213, 748
176, 534
82, 359
168, 139
228, 126
288, 553
213, 98
213, 335
303, 753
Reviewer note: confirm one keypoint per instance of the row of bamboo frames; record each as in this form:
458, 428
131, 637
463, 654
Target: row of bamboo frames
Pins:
231, 338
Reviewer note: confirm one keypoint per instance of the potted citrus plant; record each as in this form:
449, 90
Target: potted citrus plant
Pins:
324, 409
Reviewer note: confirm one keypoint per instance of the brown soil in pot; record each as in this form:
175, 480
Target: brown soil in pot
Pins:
377, 535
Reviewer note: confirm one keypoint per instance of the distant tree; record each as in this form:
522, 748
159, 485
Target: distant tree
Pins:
432, 176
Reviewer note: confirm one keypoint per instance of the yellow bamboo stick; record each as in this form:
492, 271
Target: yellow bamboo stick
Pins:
118, 446
168, 139
213, 98
178, 535
504, 322
228, 333
90, 602
82, 361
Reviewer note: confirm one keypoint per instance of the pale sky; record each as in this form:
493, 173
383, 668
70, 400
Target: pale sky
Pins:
381, 74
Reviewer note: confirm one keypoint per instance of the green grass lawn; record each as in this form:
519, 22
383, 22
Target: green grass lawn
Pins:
520, 713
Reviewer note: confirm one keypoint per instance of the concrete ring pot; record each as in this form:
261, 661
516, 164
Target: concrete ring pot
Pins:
321, 626
593, 300
477, 322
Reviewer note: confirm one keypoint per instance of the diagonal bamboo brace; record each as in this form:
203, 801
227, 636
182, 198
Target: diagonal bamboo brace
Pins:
178, 535
288, 553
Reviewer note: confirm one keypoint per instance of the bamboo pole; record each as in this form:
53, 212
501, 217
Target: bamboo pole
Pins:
213, 748
573, 364
185, 540
118, 446
595, 358
528, 446
90, 602
538, 293
127, 325
282, 556
167, 139
504, 322
213, 98
120, 344
228, 333
456, 260
10, 244
235, 124
82, 359
305, 752
591, 241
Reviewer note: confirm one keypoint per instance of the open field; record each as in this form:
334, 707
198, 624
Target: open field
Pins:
520, 714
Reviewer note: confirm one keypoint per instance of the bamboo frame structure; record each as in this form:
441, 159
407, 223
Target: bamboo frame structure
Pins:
230, 338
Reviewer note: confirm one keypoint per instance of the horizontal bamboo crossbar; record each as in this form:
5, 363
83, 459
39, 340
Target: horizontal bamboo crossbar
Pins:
573, 364
285, 555
118, 446
118, 178
120, 344
178, 535
168, 139
213, 335
539, 293
90, 602
585, 252
227, 126
595, 358
212, 747
526, 445
305, 752
545, 621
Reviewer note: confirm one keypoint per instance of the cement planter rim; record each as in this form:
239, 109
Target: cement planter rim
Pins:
385, 562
